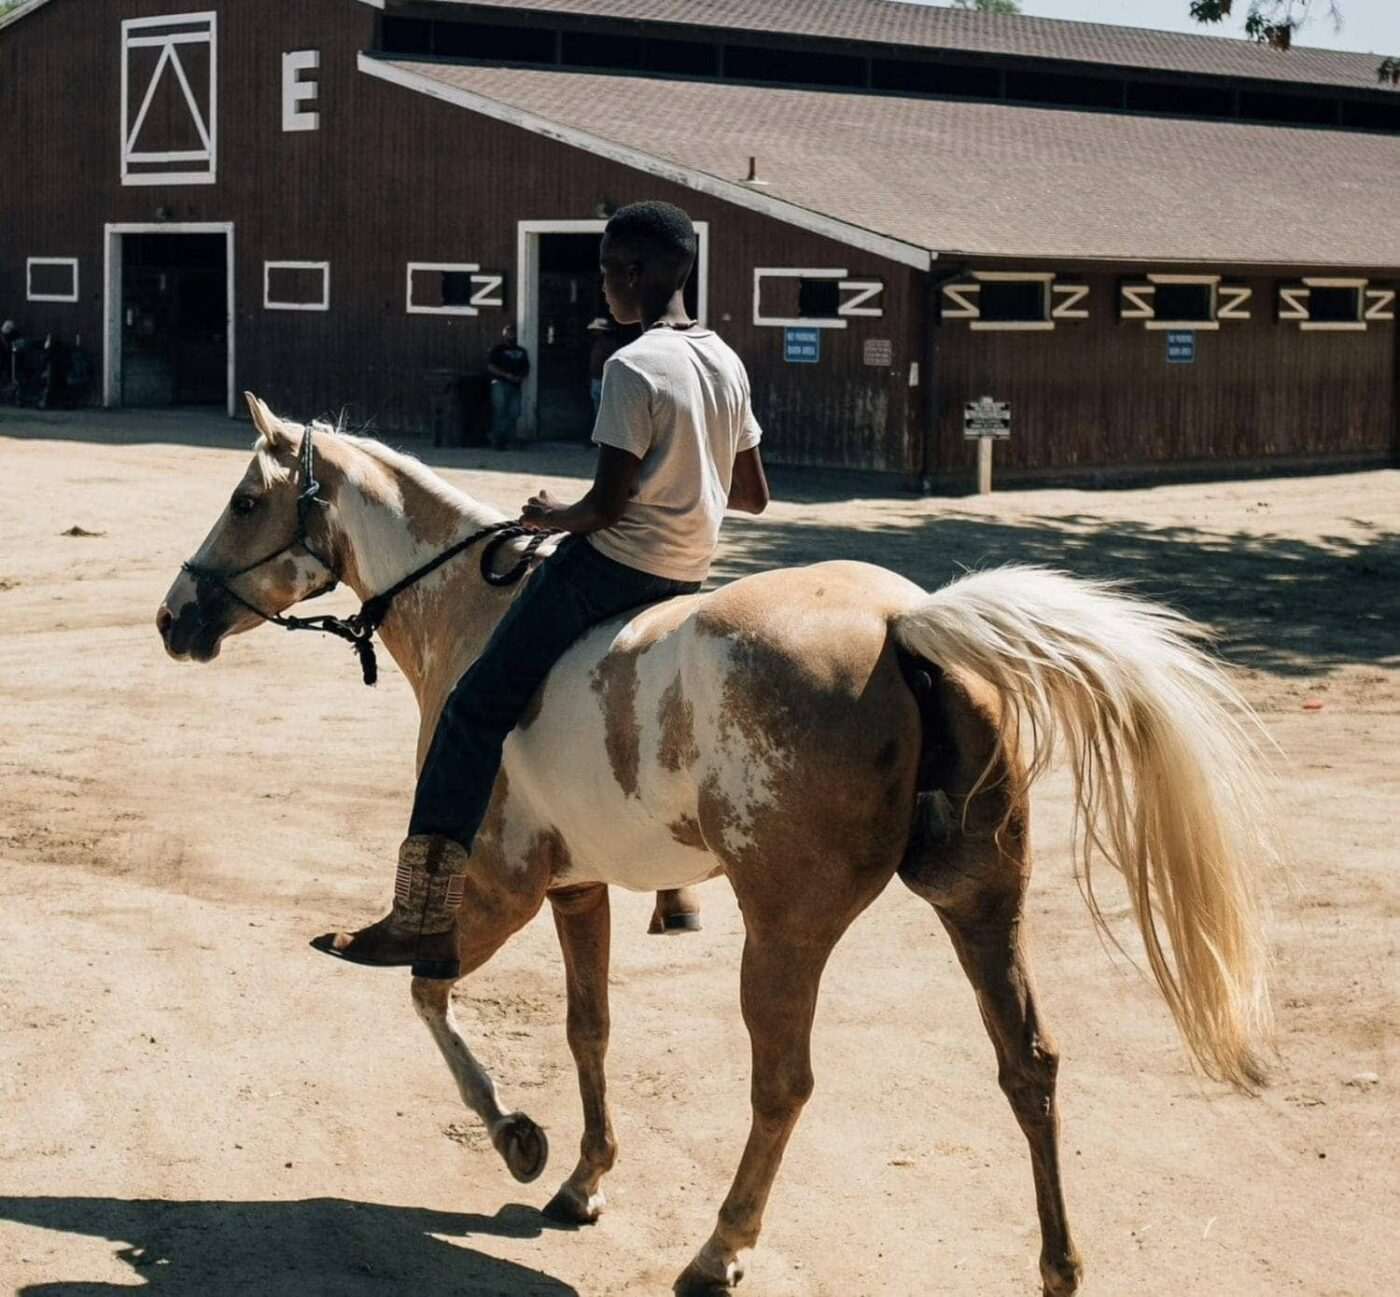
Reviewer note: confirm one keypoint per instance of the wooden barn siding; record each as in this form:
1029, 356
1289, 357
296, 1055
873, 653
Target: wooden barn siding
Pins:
393, 176
1099, 393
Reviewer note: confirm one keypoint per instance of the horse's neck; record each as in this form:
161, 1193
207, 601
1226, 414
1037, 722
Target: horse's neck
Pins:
393, 519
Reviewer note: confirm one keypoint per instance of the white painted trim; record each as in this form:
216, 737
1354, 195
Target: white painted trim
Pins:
1137, 301
1189, 326
1232, 301
323, 266
1314, 281
729, 190
439, 267
296, 92
1184, 279
208, 130
760, 273
863, 290
490, 291
1380, 304
960, 295
527, 291
1332, 326
1293, 303
31, 296
112, 299
1011, 326
1013, 276
1068, 308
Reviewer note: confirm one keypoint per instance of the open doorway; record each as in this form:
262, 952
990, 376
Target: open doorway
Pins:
169, 316
560, 293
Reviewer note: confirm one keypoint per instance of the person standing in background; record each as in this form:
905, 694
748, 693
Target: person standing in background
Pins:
509, 366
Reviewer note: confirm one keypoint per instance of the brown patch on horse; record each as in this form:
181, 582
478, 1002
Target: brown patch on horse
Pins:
548, 851
686, 831
676, 716
615, 683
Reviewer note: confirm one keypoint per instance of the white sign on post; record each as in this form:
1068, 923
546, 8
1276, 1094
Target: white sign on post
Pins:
986, 421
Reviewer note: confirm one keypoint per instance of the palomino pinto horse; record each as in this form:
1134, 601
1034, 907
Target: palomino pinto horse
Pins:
794, 731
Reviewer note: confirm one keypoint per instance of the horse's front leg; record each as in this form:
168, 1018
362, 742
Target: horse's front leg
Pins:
582, 917
492, 911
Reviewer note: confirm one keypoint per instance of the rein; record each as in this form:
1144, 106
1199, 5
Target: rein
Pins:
358, 630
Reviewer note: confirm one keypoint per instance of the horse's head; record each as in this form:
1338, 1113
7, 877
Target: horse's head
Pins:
268, 548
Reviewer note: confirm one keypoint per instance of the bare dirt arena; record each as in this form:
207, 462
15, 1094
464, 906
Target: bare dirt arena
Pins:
193, 1103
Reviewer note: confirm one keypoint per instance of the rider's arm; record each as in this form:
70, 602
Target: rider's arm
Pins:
614, 483
748, 488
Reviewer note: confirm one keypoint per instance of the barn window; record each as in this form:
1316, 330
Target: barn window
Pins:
51, 279
1335, 305
818, 298
169, 126
1172, 301
296, 285
451, 288
1011, 301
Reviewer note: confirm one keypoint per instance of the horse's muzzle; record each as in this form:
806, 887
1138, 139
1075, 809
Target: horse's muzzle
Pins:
187, 634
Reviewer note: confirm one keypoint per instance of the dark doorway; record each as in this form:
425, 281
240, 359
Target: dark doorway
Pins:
571, 295
174, 319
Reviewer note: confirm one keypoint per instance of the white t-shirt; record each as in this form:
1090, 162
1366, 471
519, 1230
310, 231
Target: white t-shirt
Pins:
678, 399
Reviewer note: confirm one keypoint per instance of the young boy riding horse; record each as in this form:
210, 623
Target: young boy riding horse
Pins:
678, 444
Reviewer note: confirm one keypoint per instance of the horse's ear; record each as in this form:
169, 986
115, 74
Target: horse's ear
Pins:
271, 428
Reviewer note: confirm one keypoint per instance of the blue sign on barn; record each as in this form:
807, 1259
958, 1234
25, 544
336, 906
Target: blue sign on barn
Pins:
1181, 347
802, 346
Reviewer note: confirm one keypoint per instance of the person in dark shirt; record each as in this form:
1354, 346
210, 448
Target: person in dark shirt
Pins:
508, 364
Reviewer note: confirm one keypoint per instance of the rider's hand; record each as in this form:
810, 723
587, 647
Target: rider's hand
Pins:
538, 509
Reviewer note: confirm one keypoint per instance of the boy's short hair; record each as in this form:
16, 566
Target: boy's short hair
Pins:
662, 232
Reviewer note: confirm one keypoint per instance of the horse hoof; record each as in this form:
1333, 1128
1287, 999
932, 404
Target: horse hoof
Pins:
695, 1282
570, 1207
523, 1145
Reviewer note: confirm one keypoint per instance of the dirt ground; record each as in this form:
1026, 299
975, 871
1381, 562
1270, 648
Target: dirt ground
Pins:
193, 1103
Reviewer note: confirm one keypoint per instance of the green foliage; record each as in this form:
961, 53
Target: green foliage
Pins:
989, 6
1270, 22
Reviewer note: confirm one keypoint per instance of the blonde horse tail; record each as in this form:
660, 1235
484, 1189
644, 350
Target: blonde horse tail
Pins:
1167, 776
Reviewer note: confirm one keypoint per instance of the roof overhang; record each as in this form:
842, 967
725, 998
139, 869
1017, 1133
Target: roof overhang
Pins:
731, 191
22, 10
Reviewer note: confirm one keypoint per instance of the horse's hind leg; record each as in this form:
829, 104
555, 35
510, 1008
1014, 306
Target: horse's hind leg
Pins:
676, 910
490, 914
986, 931
583, 920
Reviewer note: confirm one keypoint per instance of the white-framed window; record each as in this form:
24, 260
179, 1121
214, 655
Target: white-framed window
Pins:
451, 288
1014, 301
824, 298
1182, 302
296, 285
298, 91
172, 58
1329, 304
51, 279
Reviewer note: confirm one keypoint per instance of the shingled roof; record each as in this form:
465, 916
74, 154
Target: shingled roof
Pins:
977, 179
935, 27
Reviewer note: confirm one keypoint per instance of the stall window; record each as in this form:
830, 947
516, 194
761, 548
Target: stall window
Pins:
296, 285
51, 279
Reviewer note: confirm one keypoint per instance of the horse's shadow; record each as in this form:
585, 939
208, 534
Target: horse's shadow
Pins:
315, 1247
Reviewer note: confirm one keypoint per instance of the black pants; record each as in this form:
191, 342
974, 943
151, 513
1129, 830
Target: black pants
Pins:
574, 589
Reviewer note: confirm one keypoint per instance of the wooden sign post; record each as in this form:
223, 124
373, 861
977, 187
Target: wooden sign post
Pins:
986, 421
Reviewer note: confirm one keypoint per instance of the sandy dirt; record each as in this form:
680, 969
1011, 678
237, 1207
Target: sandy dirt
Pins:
193, 1103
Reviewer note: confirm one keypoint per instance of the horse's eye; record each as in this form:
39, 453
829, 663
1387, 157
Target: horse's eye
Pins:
244, 504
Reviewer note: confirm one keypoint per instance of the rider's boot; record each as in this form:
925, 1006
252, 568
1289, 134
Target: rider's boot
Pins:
420, 931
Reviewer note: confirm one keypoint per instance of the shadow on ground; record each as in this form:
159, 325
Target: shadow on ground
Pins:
307, 1248
1275, 603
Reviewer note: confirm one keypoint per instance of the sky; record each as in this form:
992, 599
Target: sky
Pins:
1368, 25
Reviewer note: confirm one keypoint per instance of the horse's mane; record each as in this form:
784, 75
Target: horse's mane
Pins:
397, 463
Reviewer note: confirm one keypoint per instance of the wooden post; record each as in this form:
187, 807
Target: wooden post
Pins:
984, 465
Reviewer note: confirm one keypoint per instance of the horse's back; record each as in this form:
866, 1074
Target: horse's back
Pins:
767, 716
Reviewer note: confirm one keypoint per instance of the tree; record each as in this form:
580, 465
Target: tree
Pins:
989, 6
1273, 22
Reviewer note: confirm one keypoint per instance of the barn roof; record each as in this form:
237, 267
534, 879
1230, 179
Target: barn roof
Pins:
937, 27
961, 178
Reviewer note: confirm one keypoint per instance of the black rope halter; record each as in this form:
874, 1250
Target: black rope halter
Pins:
359, 628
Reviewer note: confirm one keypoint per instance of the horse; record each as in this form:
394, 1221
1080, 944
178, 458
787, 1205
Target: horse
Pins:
810, 733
